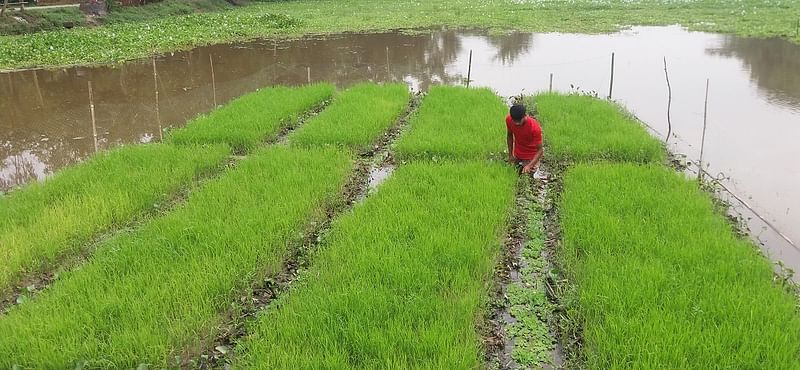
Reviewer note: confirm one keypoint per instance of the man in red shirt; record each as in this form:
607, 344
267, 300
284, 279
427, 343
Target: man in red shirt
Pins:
524, 139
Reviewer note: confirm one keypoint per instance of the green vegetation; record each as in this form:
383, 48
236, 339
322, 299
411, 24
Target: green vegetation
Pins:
40, 20
527, 299
45, 221
249, 120
583, 128
357, 117
455, 123
117, 42
149, 294
400, 281
662, 282
160, 9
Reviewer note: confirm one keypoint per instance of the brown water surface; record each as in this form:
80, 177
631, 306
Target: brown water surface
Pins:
753, 120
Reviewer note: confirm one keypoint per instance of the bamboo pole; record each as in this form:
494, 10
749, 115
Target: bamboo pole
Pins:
669, 102
551, 82
611, 83
308, 74
703, 138
469, 68
38, 88
94, 121
213, 79
158, 112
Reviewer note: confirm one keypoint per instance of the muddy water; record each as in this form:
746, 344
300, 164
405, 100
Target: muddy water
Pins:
753, 121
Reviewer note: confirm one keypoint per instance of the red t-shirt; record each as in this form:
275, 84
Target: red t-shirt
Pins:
527, 137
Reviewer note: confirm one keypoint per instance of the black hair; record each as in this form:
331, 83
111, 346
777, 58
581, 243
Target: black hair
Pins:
517, 112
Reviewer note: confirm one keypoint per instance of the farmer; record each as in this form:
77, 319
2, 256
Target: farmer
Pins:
524, 139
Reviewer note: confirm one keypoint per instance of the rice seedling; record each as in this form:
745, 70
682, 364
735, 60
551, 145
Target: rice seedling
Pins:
151, 293
253, 118
583, 128
400, 281
456, 122
663, 282
357, 117
45, 221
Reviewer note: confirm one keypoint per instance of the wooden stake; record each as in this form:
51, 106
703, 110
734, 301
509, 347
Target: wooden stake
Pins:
469, 68
213, 80
158, 113
703, 138
669, 102
308, 74
611, 84
94, 121
38, 89
551, 82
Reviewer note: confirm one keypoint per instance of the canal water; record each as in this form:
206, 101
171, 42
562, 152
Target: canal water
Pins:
753, 104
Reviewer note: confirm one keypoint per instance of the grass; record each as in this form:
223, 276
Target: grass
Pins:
150, 294
251, 119
45, 221
400, 282
357, 117
455, 123
663, 282
581, 128
40, 20
165, 8
117, 42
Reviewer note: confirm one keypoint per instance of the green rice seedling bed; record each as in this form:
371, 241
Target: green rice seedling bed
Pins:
663, 282
357, 117
45, 221
582, 128
456, 123
400, 282
251, 119
152, 293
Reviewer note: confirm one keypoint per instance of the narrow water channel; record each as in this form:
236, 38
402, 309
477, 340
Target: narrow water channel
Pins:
753, 119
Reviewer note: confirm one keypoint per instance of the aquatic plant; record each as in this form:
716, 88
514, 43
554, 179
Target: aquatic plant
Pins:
400, 281
357, 117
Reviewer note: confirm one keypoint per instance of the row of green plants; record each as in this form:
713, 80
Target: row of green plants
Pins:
158, 294
657, 276
456, 123
361, 114
44, 222
253, 118
400, 282
150, 294
117, 42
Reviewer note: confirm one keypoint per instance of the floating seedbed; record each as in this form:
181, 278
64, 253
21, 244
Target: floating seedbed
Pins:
254, 118
400, 281
149, 295
45, 222
456, 123
663, 282
581, 128
357, 117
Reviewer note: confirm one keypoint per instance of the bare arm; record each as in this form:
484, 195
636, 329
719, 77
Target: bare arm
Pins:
510, 142
534, 163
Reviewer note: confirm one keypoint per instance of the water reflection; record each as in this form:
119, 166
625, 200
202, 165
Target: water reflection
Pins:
774, 64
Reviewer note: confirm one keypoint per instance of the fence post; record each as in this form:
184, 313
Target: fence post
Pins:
94, 122
703, 139
611, 84
469, 68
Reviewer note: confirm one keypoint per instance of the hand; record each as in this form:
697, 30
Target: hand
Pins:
529, 168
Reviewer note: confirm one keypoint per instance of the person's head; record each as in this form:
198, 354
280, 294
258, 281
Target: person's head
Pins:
517, 113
